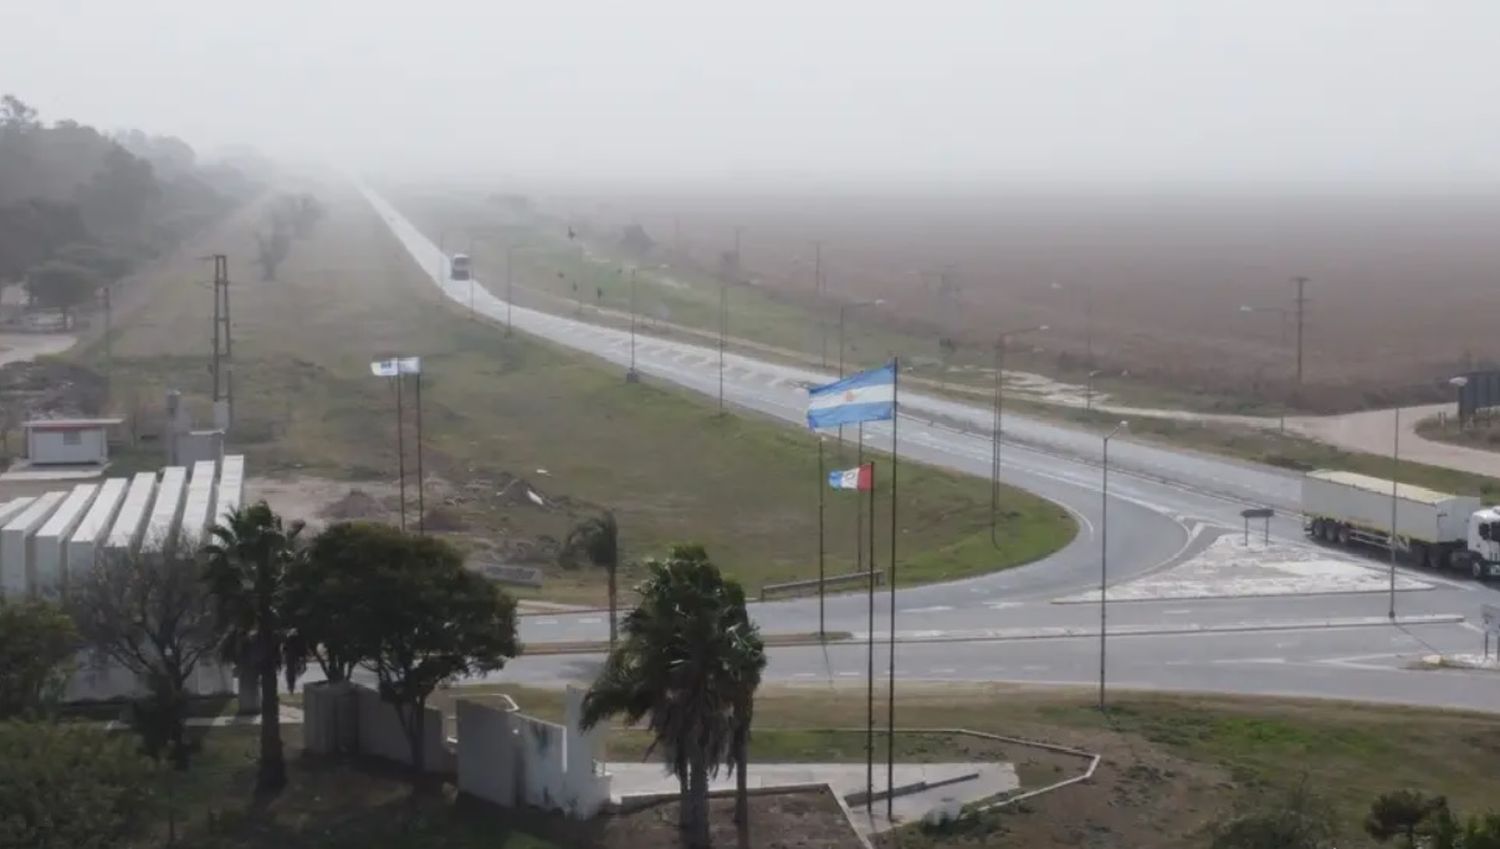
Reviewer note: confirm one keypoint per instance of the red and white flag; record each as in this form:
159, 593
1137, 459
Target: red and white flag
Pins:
860, 478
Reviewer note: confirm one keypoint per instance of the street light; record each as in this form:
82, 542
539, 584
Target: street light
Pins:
1456, 382
1104, 555
631, 376
995, 429
509, 294
1088, 320
1284, 314
1088, 391
844, 310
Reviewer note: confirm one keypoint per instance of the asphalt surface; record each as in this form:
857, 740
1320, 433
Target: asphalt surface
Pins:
1163, 506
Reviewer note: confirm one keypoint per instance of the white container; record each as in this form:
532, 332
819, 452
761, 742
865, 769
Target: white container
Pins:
1364, 503
49, 550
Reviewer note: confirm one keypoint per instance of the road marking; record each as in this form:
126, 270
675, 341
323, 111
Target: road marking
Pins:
1034, 667
590, 620
1230, 661
546, 621
804, 674
847, 674
1471, 626
1002, 605
947, 670
1176, 612
936, 608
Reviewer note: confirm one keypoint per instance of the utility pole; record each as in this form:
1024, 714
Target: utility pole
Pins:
223, 342
1301, 305
818, 296
510, 299
109, 360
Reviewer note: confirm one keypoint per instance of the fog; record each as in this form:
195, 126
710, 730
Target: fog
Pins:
687, 92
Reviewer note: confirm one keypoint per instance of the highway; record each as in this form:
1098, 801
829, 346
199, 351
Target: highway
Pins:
1164, 507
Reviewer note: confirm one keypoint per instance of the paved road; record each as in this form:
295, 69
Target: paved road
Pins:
1164, 505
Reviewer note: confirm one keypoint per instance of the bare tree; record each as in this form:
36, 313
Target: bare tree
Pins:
149, 611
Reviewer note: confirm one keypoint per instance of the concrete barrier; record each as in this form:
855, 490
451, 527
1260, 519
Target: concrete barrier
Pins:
511, 759
329, 710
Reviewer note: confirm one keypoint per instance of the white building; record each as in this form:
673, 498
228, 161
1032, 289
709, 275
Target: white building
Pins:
68, 442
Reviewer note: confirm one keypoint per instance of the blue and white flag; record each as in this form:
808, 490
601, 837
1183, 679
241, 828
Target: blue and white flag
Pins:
869, 396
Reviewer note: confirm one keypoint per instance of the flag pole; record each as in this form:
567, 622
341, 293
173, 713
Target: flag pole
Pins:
400, 447
822, 485
890, 708
859, 515
421, 480
870, 656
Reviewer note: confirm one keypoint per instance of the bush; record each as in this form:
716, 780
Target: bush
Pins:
37, 644
70, 785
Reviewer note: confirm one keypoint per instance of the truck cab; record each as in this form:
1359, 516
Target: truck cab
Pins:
1482, 554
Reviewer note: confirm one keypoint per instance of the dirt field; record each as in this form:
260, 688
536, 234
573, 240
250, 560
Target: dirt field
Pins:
1402, 287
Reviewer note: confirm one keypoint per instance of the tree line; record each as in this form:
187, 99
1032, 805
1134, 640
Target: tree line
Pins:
396, 609
80, 209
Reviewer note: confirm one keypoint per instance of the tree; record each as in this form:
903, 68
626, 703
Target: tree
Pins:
746, 654
1293, 819
15, 113
326, 591
676, 666
1404, 814
37, 644
70, 785
598, 539
1480, 833
62, 286
247, 564
426, 620
149, 612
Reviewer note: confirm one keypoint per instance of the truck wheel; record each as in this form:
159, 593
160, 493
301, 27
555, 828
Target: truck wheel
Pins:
1431, 558
1317, 529
1344, 535
1476, 568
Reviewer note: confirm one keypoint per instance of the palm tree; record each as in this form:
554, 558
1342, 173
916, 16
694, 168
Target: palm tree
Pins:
677, 668
598, 539
246, 569
745, 653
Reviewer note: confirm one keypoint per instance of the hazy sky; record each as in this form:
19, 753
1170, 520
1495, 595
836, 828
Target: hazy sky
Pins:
950, 90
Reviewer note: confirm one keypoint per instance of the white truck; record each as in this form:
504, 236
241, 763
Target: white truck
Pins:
1433, 529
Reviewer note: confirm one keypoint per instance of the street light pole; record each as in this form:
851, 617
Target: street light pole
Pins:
1088, 391
723, 328
1104, 559
630, 375
996, 427
1395, 470
509, 295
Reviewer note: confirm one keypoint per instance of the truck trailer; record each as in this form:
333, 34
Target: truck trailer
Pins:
1430, 528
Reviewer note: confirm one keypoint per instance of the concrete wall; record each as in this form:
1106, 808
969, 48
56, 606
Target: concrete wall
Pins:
327, 710
49, 550
198, 507
91, 532
44, 446
16, 579
130, 521
166, 510
511, 759
231, 486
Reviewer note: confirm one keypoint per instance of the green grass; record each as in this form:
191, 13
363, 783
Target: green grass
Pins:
497, 407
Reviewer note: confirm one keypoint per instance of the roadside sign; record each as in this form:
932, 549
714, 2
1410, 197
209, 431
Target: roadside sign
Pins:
1490, 613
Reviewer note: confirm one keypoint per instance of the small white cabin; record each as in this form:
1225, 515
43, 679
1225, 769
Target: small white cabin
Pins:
68, 442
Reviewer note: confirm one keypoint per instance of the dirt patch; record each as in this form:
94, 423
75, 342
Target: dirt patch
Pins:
803, 820
358, 504
320, 501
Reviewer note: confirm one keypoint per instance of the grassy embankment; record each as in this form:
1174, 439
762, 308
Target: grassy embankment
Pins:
499, 408
1172, 764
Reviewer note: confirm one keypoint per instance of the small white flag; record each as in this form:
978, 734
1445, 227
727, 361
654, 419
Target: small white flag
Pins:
383, 368
410, 365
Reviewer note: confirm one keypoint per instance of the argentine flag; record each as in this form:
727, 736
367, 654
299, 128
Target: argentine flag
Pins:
869, 396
